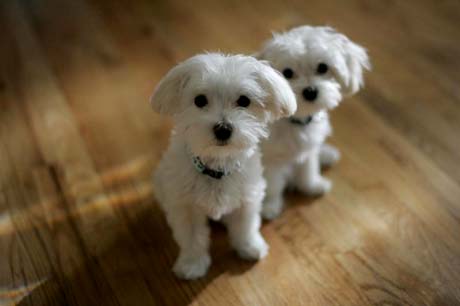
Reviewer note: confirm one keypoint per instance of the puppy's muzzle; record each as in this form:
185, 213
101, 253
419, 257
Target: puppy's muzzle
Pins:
223, 131
310, 94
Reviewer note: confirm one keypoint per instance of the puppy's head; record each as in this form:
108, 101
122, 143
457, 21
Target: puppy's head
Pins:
320, 64
222, 104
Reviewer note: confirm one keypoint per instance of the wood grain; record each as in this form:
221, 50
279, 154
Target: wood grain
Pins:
78, 143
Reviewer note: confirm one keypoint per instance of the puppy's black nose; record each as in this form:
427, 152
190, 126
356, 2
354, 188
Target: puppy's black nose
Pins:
310, 93
223, 131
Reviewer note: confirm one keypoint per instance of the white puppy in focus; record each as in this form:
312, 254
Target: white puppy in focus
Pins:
221, 106
321, 66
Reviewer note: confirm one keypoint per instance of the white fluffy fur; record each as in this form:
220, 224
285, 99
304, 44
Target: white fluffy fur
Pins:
293, 154
189, 197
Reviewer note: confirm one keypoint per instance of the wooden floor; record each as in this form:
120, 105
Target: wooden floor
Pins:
78, 143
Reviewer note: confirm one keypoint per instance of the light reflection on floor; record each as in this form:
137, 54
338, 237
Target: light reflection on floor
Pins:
10, 297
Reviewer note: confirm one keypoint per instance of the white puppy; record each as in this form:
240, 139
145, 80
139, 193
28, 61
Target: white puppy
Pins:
321, 66
221, 106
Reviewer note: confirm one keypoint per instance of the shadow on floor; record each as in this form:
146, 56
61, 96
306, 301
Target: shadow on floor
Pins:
135, 267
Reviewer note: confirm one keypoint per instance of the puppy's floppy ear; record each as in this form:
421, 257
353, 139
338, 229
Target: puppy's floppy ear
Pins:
280, 101
167, 95
356, 60
258, 55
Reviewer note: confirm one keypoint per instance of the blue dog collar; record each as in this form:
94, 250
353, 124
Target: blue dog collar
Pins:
202, 168
301, 121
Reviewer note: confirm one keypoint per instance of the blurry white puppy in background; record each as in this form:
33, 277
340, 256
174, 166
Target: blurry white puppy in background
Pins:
321, 66
221, 106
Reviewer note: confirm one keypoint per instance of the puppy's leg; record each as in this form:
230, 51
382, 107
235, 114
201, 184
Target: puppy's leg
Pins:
309, 179
191, 232
328, 155
273, 202
244, 229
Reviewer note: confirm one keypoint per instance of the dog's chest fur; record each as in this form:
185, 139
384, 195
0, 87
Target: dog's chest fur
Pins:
293, 142
179, 183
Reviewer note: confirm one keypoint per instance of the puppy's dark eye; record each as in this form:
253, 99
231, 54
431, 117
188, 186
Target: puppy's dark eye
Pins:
243, 101
322, 68
288, 73
201, 101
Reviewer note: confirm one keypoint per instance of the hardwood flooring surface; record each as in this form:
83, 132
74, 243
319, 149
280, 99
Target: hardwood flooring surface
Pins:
78, 143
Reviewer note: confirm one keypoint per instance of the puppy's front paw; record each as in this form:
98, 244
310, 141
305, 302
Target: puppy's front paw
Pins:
317, 187
254, 248
329, 155
192, 267
272, 208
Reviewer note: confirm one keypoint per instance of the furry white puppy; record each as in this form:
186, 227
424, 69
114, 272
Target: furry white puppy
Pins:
221, 106
321, 66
